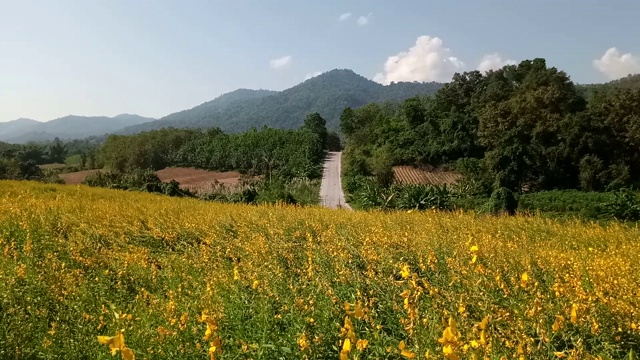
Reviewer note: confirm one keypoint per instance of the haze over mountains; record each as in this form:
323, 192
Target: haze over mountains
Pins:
242, 109
68, 127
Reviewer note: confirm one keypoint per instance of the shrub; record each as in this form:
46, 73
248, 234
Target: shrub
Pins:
624, 205
476, 179
423, 197
503, 201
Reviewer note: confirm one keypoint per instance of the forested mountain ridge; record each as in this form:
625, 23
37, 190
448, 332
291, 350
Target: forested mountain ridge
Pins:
629, 82
68, 127
327, 94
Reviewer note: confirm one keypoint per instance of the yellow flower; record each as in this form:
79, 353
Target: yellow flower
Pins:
346, 349
574, 314
362, 344
405, 272
558, 324
524, 279
303, 342
116, 343
404, 352
474, 248
448, 352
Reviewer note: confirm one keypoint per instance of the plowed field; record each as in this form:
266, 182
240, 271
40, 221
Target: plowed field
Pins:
412, 175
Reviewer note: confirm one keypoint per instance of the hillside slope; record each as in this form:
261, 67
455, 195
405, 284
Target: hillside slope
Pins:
327, 94
68, 127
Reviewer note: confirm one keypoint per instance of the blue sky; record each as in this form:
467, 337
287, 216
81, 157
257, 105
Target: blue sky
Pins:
106, 57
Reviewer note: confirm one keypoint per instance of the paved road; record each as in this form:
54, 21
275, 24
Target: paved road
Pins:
331, 194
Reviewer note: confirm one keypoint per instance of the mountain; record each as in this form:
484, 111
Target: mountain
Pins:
628, 82
327, 94
17, 126
68, 127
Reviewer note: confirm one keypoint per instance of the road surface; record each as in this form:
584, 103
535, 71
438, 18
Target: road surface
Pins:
331, 194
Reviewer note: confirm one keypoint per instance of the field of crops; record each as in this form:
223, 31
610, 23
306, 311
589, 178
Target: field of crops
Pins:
88, 272
415, 176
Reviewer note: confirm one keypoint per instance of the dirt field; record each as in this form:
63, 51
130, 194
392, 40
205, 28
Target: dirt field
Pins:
412, 175
75, 178
192, 179
195, 179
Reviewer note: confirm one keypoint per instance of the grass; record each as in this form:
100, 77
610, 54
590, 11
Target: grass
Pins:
271, 282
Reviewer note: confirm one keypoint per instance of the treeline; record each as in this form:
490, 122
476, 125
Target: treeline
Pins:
18, 162
273, 152
523, 128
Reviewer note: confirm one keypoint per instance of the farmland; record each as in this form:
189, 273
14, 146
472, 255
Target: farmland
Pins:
192, 179
187, 279
415, 176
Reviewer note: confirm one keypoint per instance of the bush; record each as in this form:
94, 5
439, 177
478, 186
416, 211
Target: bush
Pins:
140, 180
423, 197
476, 179
591, 168
624, 205
503, 201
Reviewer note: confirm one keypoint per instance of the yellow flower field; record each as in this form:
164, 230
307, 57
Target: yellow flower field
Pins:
87, 273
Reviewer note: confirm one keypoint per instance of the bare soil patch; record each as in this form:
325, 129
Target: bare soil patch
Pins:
416, 176
75, 178
197, 179
189, 178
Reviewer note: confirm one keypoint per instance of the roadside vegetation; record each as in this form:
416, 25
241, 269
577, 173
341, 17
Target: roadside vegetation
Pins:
523, 138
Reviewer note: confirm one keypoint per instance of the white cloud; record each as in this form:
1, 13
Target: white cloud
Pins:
616, 65
312, 75
428, 60
344, 17
365, 19
493, 62
281, 63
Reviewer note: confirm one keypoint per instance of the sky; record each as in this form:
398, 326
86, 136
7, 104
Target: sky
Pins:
153, 58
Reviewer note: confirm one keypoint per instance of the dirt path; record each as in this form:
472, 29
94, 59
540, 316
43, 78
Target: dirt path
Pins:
331, 194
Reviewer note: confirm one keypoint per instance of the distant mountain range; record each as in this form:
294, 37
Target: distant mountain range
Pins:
68, 127
327, 94
242, 109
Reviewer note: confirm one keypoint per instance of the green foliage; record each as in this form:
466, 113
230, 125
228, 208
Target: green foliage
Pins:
271, 152
476, 178
525, 127
624, 205
366, 193
153, 150
423, 197
327, 94
503, 201
302, 192
138, 180
382, 167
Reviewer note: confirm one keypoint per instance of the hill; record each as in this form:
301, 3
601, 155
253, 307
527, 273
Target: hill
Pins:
68, 127
628, 82
327, 94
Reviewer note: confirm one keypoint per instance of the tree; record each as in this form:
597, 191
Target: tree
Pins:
57, 152
317, 125
519, 124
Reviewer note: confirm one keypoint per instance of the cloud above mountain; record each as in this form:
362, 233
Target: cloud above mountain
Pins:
616, 65
427, 60
493, 62
281, 63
